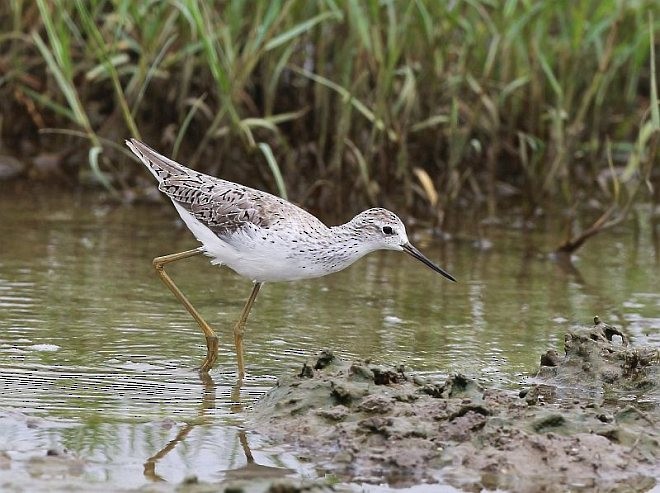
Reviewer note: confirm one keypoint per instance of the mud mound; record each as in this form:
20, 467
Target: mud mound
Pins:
589, 421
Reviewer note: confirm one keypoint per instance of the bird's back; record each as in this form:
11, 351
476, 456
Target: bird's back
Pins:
221, 204
239, 226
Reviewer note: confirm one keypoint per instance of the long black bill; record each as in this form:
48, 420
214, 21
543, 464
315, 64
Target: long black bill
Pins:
408, 248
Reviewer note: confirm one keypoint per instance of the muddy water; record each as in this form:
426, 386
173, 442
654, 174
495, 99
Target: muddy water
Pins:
97, 358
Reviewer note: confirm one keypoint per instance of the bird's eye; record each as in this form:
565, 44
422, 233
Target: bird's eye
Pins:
388, 230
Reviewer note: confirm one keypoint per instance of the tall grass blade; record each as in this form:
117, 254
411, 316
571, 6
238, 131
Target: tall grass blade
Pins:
194, 107
655, 105
427, 185
349, 98
101, 50
67, 87
364, 170
274, 169
303, 27
93, 157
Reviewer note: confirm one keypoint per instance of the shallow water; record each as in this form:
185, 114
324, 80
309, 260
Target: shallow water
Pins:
97, 357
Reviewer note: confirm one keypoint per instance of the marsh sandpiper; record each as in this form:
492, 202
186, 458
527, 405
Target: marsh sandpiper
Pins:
262, 237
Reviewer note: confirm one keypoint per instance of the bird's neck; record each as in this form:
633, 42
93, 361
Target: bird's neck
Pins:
344, 233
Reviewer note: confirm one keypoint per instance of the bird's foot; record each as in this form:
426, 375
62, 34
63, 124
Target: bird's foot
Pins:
211, 354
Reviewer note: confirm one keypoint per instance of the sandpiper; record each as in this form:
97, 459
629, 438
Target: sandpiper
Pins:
262, 237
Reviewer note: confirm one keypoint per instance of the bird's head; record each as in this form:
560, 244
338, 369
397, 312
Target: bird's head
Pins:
383, 230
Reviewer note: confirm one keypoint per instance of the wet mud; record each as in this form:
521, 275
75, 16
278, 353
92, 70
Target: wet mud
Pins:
587, 421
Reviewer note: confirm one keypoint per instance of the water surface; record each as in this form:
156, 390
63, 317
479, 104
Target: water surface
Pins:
97, 357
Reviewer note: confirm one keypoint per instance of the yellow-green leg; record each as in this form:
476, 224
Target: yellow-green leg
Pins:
211, 338
239, 329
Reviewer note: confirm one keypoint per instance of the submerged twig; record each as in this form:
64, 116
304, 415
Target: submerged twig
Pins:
603, 222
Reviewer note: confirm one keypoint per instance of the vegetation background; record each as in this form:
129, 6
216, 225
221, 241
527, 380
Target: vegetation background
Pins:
422, 105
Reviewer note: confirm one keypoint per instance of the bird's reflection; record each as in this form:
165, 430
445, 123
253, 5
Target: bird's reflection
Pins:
250, 470
208, 402
655, 237
236, 406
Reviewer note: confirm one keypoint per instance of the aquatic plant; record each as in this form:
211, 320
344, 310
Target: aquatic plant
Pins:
340, 103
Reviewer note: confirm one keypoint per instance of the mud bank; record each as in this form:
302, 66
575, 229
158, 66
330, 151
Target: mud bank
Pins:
588, 420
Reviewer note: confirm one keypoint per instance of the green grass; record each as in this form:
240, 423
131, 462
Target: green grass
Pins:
342, 104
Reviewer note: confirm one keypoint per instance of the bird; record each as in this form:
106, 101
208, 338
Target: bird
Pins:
262, 237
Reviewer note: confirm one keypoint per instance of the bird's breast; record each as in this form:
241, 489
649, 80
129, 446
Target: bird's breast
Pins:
265, 256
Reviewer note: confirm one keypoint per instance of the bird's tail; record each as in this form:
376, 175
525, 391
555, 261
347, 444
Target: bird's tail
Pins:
160, 166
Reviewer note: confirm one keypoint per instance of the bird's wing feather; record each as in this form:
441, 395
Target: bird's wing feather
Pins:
222, 206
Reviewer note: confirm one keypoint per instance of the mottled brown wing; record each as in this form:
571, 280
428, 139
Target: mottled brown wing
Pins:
222, 206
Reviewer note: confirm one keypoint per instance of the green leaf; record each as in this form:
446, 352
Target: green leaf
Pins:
274, 168
299, 29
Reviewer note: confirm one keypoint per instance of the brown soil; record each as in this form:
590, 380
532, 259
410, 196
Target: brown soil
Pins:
587, 422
